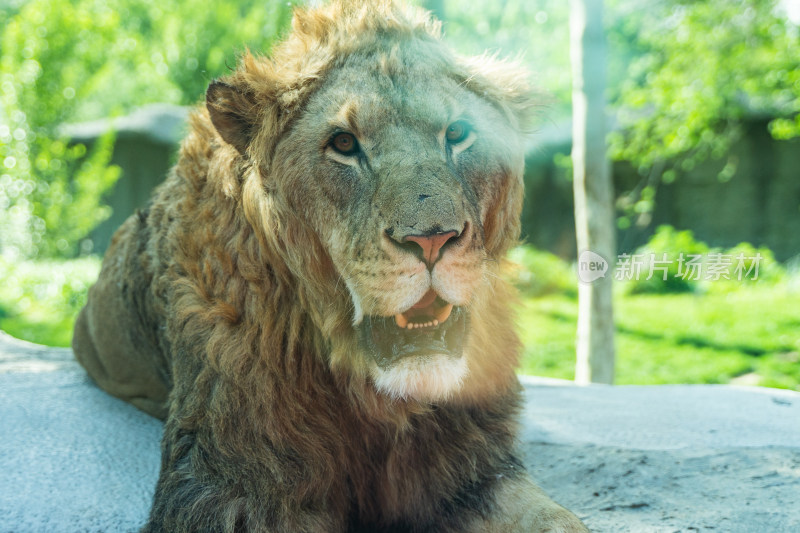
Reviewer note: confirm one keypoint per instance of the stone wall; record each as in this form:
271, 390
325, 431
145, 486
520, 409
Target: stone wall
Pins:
759, 203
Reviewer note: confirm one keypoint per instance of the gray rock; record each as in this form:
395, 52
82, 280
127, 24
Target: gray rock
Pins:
625, 459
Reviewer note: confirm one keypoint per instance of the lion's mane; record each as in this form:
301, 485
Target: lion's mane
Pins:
220, 308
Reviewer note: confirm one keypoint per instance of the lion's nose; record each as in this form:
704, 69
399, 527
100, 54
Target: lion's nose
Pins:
430, 244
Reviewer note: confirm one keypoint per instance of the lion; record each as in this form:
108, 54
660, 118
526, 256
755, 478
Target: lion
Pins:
313, 299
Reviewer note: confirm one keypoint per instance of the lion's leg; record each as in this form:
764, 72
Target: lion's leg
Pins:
112, 373
521, 506
200, 489
110, 341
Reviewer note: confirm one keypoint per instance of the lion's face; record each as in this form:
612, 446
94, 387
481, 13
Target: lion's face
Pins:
407, 164
410, 179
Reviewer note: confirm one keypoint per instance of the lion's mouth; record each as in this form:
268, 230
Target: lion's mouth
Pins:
432, 326
430, 311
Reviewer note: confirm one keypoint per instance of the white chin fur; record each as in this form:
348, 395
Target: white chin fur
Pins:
428, 378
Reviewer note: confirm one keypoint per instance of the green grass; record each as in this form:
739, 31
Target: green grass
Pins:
688, 337
677, 338
56, 332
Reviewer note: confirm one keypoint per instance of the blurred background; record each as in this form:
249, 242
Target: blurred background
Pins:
704, 108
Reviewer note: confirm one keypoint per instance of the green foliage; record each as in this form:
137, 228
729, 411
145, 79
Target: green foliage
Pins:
678, 246
676, 262
43, 69
700, 68
72, 201
50, 214
770, 270
70, 60
39, 300
536, 272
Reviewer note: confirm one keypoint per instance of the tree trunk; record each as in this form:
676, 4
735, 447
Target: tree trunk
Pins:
594, 212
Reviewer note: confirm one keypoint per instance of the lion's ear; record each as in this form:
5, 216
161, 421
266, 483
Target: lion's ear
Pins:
233, 114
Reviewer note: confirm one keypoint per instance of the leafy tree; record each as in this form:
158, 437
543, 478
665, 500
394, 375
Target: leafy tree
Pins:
70, 60
698, 70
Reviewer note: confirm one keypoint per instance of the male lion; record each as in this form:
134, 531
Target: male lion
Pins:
312, 298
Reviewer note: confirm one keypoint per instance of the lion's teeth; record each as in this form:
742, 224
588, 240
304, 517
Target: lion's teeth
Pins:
403, 322
444, 313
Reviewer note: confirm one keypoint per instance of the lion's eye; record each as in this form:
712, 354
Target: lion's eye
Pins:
457, 131
345, 143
